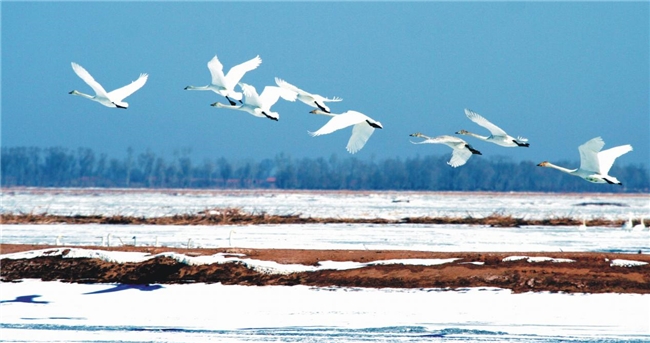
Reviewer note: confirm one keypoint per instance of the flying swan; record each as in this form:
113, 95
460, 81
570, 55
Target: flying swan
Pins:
313, 100
362, 127
594, 163
225, 85
260, 105
111, 99
497, 136
461, 150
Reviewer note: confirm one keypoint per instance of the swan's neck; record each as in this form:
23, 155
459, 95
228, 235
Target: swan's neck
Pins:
566, 170
197, 88
323, 113
82, 95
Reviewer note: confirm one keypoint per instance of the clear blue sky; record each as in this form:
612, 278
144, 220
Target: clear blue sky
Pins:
558, 73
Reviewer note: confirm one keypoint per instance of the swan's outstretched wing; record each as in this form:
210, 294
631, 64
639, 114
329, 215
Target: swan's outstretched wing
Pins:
271, 94
360, 134
84, 75
607, 157
236, 73
216, 71
589, 154
334, 99
251, 95
459, 156
288, 86
341, 121
121, 93
478, 119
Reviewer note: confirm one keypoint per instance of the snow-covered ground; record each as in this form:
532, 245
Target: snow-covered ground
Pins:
36, 311
389, 204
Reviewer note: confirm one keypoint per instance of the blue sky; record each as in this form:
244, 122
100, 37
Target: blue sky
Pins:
558, 73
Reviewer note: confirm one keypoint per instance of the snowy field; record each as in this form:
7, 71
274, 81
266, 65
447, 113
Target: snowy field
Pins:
36, 311
389, 205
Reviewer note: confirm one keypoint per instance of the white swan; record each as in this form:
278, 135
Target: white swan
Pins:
594, 164
313, 100
461, 150
583, 226
362, 127
225, 85
260, 105
498, 136
111, 99
640, 226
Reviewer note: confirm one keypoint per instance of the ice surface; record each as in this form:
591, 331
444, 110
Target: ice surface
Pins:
200, 312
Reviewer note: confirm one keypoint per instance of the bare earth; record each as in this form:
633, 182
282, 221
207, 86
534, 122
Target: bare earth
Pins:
590, 273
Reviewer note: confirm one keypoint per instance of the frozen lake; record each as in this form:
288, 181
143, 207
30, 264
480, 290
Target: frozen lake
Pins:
36, 311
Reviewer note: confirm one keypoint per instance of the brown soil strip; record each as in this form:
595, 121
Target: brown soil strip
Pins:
235, 216
590, 273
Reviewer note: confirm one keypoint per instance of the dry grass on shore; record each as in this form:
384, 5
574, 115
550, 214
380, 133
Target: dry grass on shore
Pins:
235, 216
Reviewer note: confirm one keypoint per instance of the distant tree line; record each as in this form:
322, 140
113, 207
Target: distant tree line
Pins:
62, 167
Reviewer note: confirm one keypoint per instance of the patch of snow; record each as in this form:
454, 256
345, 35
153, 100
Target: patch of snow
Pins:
626, 263
535, 259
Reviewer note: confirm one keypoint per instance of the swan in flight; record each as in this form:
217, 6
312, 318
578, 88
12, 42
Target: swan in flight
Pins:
225, 85
313, 100
111, 99
497, 135
260, 105
362, 127
594, 163
461, 150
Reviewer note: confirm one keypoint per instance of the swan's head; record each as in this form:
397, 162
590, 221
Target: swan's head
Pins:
74, 92
217, 104
318, 111
189, 87
417, 134
462, 132
544, 164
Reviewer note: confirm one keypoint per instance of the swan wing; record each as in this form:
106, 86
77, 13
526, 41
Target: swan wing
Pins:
341, 121
459, 156
271, 94
236, 73
607, 157
251, 95
121, 93
216, 71
589, 154
88, 79
478, 119
286, 85
334, 99
360, 134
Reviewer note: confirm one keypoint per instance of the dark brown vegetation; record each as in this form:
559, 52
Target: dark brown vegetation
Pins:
234, 216
590, 273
